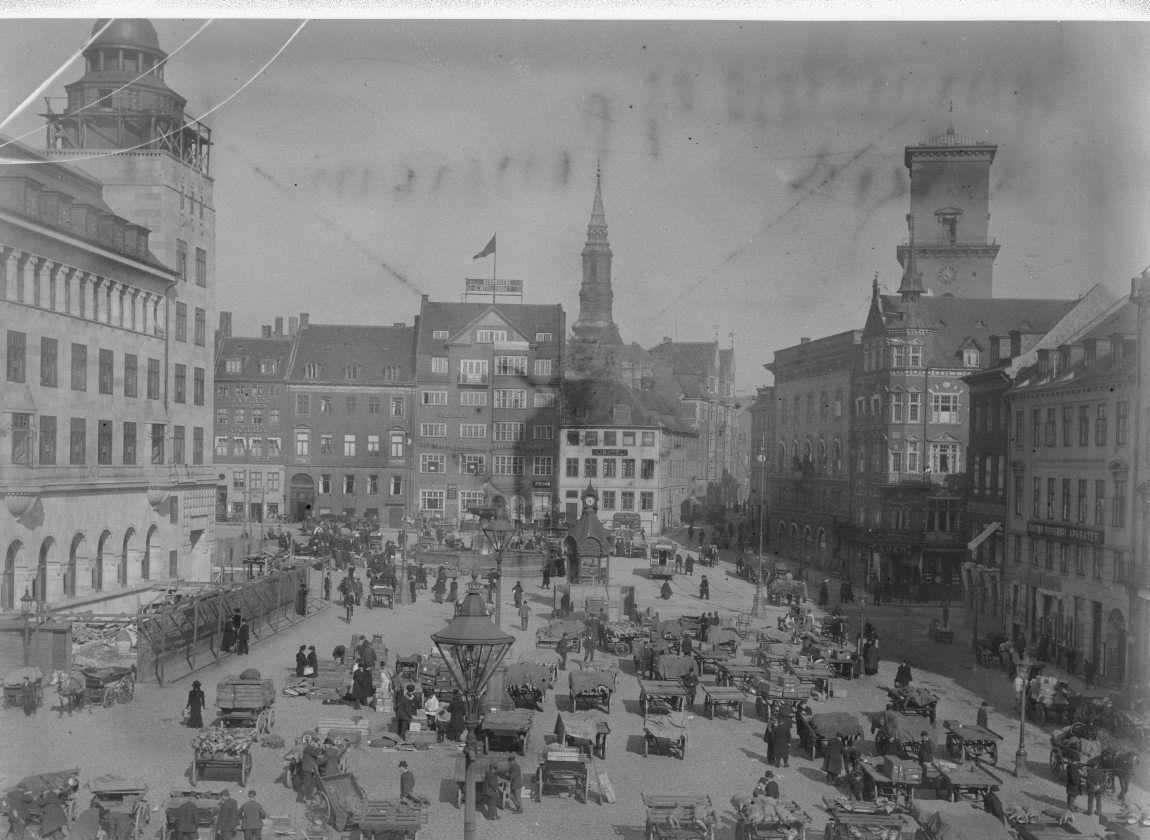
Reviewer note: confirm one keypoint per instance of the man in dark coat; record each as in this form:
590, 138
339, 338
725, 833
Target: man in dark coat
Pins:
705, 588
982, 718
833, 759
925, 751
561, 648
327, 586
243, 636
20, 804
690, 682
687, 646
515, 777
405, 710
187, 821
902, 676
86, 826
228, 817
490, 800
310, 759
312, 662
870, 659
300, 660
781, 740
407, 786
252, 816
362, 687
28, 699
456, 720
517, 594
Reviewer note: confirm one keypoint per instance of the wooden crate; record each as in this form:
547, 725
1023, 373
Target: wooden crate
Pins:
389, 815
353, 731
234, 693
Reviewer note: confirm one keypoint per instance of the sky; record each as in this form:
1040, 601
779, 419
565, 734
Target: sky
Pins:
753, 173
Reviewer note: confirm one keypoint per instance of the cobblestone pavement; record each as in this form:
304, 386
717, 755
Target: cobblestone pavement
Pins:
145, 739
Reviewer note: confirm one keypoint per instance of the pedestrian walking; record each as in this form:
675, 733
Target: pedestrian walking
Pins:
1095, 786
704, 589
453, 592
690, 682
327, 586
833, 759
196, 703
588, 645
243, 638
689, 565
517, 594
28, 698
1075, 784
561, 648
252, 816
678, 563
412, 586
228, 817
902, 676
348, 605
524, 614
665, 590
983, 716
546, 576
515, 777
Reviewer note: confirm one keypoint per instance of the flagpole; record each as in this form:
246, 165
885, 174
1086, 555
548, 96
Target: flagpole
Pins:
494, 266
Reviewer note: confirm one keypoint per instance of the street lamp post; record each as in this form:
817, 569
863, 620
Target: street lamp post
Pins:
757, 606
27, 605
498, 530
472, 648
1020, 769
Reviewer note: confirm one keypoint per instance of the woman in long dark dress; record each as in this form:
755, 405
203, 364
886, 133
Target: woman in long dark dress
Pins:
196, 702
870, 659
457, 711
242, 637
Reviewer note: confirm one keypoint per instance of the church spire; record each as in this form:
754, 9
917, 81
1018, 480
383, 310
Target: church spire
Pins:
911, 288
874, 288
596, 298
597, 227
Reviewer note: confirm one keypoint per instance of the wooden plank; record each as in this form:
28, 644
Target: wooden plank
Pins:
606, 789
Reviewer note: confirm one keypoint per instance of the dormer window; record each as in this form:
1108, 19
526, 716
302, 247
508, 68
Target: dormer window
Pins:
351, 372
440, 335
1117, 345
1091, 355
312, 370
970, 357
1064, 359
268, 366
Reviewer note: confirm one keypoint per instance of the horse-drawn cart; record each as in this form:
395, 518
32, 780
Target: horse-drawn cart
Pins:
913, 701
549, 636
591, 689
14, 686
1077, 743
246, 702
222, 755
380, 595
964, 740
126, 802
95, 686
621, 635
339, 802
63, 784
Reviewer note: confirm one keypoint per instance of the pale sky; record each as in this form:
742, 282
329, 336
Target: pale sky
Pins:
753, 172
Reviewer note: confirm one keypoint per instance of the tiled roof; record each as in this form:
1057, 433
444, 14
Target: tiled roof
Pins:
688, 357
251, 351
382, 353
1123, 320
592, 402
527, 319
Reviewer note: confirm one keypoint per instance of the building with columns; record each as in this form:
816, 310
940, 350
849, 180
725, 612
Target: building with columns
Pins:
108, 238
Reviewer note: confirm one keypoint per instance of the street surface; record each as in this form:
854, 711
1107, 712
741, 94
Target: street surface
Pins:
145, 738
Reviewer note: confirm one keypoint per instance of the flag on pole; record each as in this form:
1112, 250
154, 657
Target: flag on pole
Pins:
487, 251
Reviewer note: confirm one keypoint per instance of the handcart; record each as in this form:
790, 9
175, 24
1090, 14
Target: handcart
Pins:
507, 725
585, 732
657, 696
340, 802
621, 635
126, 803
725, 699
244, 702
549, 659
768, 689
892, 779
563, 769
942, 821
207, 805
222, 755
1048, 701
662, 566
64, 783
955, 781
526, 684
549, 636
666, 734
913, 701
14, 686
899, 734
1075, 743
678, 817
740, 675
848, 666
671, 667
826, 725
710, 658
381, 595
591, 689
964, 740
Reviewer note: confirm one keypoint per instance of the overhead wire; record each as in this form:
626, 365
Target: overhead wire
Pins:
209, 112
96, 102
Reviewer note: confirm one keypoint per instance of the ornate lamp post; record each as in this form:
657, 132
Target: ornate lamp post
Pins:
27, 605
757, 606
498, 530
1020, 768
472, 647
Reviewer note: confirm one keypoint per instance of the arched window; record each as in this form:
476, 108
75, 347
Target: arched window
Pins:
12, 556
98, 566
40, 581
122, 572
75, 553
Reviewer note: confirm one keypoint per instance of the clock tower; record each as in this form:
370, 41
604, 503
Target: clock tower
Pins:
950, 200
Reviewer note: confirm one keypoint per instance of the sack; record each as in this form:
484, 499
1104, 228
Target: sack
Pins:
309, 671
185, 714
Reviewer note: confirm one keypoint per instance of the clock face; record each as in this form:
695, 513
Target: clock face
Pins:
947, 274
589, 501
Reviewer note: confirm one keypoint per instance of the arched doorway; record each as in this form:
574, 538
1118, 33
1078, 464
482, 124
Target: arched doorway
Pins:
14, 555
74, 551
146, 557
1116, 647
40, 580
301, 494
98, 568
122, 571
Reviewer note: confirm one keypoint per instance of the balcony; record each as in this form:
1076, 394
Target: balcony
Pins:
479, 379
939, 240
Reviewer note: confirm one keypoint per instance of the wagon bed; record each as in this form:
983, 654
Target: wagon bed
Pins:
964, 740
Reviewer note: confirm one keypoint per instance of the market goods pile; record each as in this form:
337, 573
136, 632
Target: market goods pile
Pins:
218, 742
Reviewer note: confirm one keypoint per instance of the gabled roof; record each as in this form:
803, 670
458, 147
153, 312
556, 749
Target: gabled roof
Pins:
251, 351
592, 402
376, 350
525, 318
1106, 366
696, 358
955, 322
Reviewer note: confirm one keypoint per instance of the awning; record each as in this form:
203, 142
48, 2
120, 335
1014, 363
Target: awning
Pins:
984, 536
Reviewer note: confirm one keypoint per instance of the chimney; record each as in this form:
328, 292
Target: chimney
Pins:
399, 324
279, 327
1015, 344
225, 323
805, 340
293, 325
266, 331
303, 316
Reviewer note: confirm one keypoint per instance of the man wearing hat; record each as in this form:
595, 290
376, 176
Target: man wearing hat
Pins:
228, 817
925, 751
407, 786
300, 660
252, 816
311, 666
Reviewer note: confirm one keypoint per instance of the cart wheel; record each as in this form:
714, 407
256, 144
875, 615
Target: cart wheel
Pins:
621, 649
318, 809
245, 769
127, 691
271, 718
109, 698
992, 751
953, 745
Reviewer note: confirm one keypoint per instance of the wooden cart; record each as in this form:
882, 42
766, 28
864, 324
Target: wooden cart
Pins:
207, 804
549, 659
680, 817
845, 825
845, 666
725, 698
244, 702
549, 636
912, 701
825, 725
740, 675
899, 733
964, 740
888, 785
126, 802
666, 734
563, 769
14, 686
668, 695
235, 765
591, 689
340, 802
64, 783
710, 659
767, 690
526, 684
955, 781
507, 726
380, 595
586, 732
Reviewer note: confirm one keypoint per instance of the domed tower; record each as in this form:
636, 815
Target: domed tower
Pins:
122, 124
596, 323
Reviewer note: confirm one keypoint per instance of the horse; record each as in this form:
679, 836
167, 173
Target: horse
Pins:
1119, 766
71, 692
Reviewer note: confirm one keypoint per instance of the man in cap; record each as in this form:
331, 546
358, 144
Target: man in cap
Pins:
252, 816
228, 817
407, 786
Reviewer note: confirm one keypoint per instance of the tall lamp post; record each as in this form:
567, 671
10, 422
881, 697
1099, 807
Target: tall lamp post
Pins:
27, 605
1020, 769
472, 647
757, 606
498, 530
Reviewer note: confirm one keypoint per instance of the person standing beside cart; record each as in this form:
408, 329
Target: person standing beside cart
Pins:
228, 817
